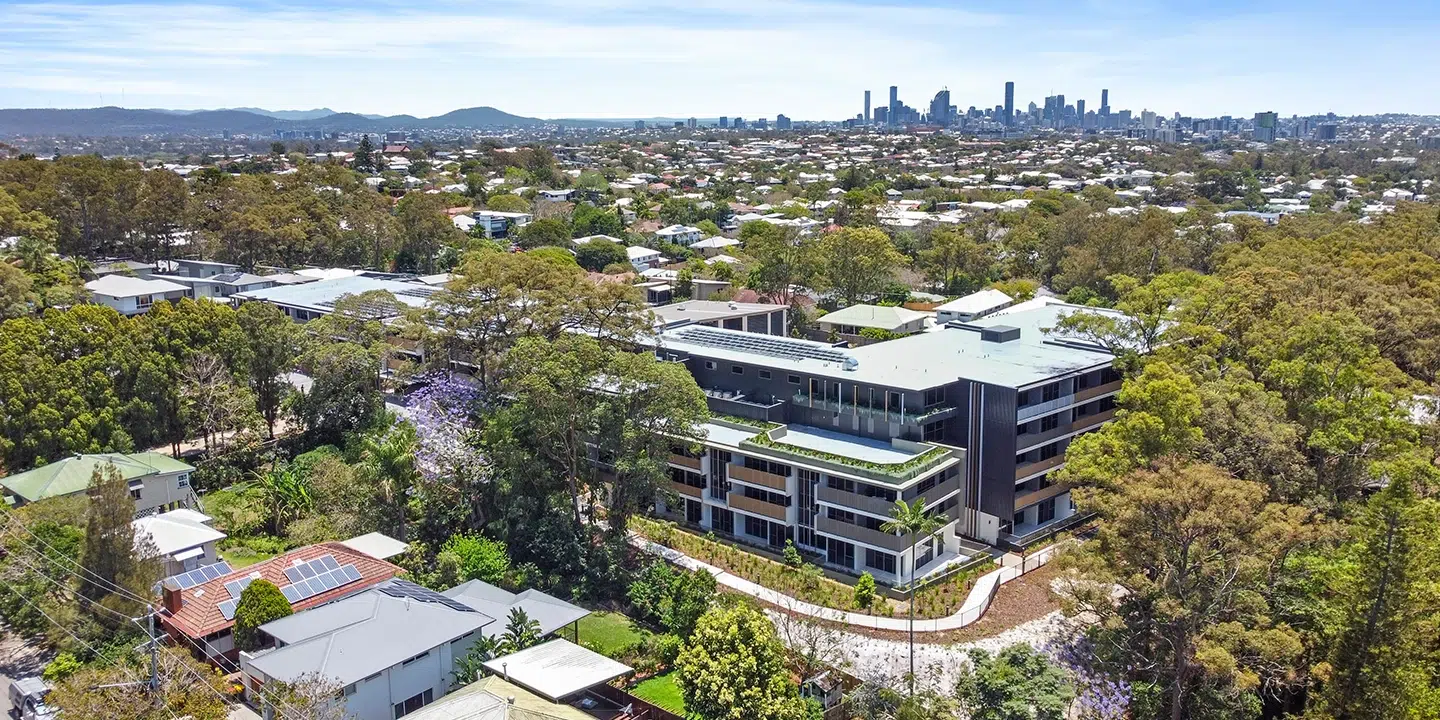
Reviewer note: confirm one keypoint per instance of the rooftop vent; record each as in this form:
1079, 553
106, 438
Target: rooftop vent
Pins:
1000, 334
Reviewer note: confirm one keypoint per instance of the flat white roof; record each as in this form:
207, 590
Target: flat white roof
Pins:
377, 545
976, 302
557, 669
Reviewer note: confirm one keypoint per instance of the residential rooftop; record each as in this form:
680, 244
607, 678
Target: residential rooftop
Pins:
321, 296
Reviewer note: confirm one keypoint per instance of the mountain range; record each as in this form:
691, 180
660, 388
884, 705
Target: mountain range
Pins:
124, 122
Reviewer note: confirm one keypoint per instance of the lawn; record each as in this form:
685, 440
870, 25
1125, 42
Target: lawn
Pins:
242, 556
610, 633
661, 690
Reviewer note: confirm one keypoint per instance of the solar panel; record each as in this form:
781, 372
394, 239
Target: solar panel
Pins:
407, 589
760, 344
321, 581
293, 573
307, 570
235, 587
200, 575
328, 562
227, 609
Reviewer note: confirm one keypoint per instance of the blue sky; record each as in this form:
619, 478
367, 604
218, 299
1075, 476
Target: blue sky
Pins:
809, 59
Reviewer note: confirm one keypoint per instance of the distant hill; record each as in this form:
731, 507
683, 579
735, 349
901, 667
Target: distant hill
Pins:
277, 114
119, 122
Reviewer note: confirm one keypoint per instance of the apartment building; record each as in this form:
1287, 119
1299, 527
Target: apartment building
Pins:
813, 443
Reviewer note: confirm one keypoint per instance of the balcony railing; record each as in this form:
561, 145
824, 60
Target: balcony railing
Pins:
1045, 493
1028, 469
872, 505
1091, 393
757, 477
738, 501
685, 461
819, 402
1090, 421
934, 494
893, 543
1042, 408
687, 490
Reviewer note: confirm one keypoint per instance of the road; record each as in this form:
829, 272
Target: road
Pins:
18, 659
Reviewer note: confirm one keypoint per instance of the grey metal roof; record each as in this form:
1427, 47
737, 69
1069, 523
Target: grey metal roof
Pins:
551, 612
320, 296
923, 360
353, 638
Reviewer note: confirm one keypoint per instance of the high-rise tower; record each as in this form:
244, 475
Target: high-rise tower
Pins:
893, 116
867, 107
1009, 103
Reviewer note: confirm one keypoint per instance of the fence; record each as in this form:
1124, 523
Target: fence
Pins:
639, 709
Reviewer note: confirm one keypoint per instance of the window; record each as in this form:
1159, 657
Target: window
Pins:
896, 401
882, 561
1049, 451
767, 466
841, 484
840, 552
1050, 392
1022, 398
1047, 510
764, 374
183, 481
805, 483
737, 370
934, 396
756, 527
839, 515
934, 431
144, 301
793, 379
412, 704
349, 689
709, 364
805, 536
766, 496
693, 511
417, 658
1049, 422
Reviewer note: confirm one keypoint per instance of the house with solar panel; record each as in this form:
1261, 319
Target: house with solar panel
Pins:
814, 442
197, 608
392, 648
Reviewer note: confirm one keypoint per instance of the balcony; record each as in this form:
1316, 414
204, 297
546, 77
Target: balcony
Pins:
1043, 408
893, 414
737, 404
1091, 393
687, 490
738, 501
1045, 493
1090, 421
871, 505
846, 531
757, 477
1035, 468
887, 463
934, 494
685, 461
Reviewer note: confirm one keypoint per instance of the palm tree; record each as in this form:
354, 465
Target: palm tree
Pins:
288, 494
389, 461
912, 519
520, 632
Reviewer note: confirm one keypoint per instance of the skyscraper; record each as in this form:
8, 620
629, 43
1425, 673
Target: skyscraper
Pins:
893, 116
782, 122
1080, 113
1104, 100
1059, 111
724, 121
867, 106
1265, 123
1009, 103
940, 108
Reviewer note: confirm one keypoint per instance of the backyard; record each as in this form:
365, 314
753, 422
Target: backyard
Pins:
661, 690
611, 634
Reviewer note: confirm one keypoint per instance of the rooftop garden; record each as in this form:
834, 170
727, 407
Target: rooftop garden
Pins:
759, 425
889, 472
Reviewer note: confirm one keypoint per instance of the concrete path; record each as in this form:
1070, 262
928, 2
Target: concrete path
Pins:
976, 603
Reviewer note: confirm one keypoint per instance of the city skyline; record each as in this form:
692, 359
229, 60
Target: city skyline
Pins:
563, 58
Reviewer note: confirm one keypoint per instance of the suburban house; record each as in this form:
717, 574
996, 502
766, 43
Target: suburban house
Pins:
157, 482
853, 319
198, 608
706, 289
132, 295
493, 698
972, 306
497, 225
393, 647
197, 268
588, 238
182, 538
642, 257
814, 443
220, 286
679, 234
312, 300
556, 195
712, 246
763, 318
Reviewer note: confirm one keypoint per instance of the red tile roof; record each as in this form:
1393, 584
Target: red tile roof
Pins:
200, 613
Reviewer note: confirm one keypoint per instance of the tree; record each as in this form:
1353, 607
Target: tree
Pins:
550, 231
782, 260
260, 602
364, 159
387, 459
424, 228
691, 595
271, 348
310, 696
480, 558
733, 668
599, 254
471, 666
114, 566
520, 632
856, 263
211, 402
1019, 683
344, 397
119, 691
589, 220
15, 291
1178, 575
865, 591
1383, 655
506, 202
914, 520
952, 254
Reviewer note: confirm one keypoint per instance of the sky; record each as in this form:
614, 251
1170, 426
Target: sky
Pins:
808, 59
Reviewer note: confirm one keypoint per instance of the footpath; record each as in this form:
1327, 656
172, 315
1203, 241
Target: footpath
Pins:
976, 603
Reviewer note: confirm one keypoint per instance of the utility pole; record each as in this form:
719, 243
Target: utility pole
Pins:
154, 658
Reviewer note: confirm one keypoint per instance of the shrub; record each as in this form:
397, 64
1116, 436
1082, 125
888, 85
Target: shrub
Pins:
792, 555
63, 666
260, 603
865, 591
